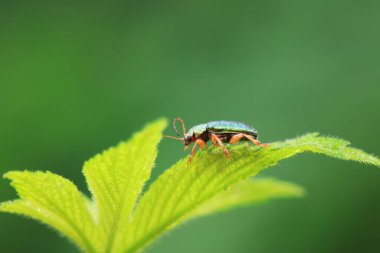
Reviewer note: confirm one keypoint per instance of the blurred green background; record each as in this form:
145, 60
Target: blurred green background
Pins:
79, 76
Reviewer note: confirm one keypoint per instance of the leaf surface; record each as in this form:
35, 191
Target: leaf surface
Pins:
55, 201
116, 178
116, 219
184, 188
247, 193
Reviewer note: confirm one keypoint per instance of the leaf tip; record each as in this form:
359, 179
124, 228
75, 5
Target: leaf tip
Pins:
11, 175
160, 123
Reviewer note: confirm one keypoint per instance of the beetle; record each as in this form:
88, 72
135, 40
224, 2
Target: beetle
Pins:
219, 132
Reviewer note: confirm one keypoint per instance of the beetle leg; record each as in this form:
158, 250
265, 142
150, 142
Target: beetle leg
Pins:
237, 137
214, 141
215, 138
201, 144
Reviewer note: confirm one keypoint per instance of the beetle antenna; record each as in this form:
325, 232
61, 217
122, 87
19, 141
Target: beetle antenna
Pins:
182, 123
173, 137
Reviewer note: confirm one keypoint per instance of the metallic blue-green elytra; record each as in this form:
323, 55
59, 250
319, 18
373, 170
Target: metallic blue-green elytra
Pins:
223, 128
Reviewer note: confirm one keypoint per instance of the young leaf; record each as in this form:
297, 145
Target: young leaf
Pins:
54, 201
116, 178
184, 188
247, 193
115, 221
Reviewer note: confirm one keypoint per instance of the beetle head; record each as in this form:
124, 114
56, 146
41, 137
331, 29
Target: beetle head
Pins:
189, 137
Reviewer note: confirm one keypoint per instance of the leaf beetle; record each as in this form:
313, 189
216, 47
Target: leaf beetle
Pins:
219, 132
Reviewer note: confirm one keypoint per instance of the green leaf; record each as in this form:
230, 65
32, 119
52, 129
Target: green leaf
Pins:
184, 188
118, 220
54, 201
247, 193
116, 178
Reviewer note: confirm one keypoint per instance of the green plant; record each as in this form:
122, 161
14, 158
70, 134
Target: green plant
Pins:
118, 220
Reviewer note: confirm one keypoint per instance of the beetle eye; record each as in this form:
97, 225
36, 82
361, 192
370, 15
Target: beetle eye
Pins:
188, 139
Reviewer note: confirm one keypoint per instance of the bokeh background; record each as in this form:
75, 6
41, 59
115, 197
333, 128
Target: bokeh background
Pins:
79, 76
